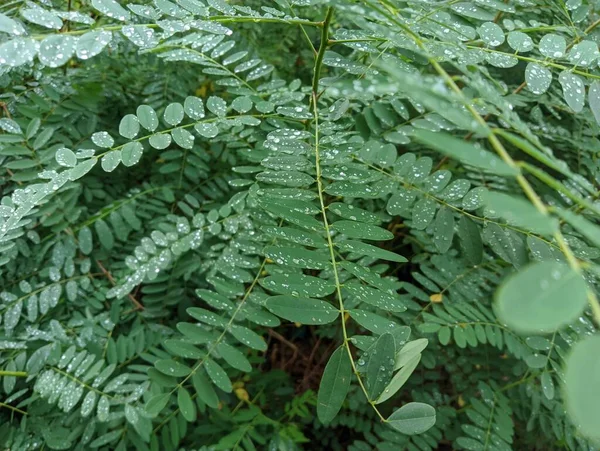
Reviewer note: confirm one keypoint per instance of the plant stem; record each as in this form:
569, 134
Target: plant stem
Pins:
338, 285
13, 373
14, 409
321, 54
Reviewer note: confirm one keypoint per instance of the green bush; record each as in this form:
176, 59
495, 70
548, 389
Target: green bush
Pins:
299, 224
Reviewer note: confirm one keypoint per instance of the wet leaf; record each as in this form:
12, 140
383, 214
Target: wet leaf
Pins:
541, 297
412, 418
334, 385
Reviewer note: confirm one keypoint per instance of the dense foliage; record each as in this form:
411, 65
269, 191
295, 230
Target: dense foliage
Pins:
299, 224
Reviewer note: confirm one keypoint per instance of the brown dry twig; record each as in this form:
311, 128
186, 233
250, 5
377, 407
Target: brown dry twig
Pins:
111, 279
288, 343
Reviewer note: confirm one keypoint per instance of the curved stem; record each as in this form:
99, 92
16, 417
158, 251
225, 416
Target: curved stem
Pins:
320, 190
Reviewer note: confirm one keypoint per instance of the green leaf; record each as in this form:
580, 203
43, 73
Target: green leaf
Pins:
377, 298
464, 152
180, 348
553, 46
10, 26
297, 236
129, 126
519, 41
573, 90
533, 151
443, 231
353, 213
92, 43
242, 104
378, 324
547, 385
131, 153
334, 385
363, 231
471, 10
42, 17
18, 51
217, 106
183, 138
172, 368
56, 50
218, 375
186, 405
234, 357
248, 337
542, 297
111, 9
412, 418
401, 202
131, 414
369, 250
491, 34
293, 179
370, 277
470, 240
207, 130
156, 404
42, 138
88, 403
33, 127
160, 140
519, 212
206, 316
296, 218
423, 213
194, 107
111, 160
103, 139
380, 364
583, 54
538, 78
147, 117
302, 310
104, 234
298, 257
194, 333
85, 239
409, 351
205, 391
66, 157
298, 285
103, 408
582, 386
399, 379
173, 114
105, 439
594, 100
587, 228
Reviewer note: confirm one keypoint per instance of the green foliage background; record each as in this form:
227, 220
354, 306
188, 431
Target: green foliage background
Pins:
299, 224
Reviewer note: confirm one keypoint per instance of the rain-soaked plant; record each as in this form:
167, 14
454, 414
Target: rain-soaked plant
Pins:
299, 224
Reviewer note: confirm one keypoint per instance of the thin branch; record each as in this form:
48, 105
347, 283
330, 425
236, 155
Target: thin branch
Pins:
109, 276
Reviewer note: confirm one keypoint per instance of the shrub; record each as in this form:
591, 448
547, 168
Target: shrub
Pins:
299, 224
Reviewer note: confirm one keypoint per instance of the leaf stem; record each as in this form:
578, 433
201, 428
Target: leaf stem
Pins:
13, 373
321, 54
14, 409
338, 285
